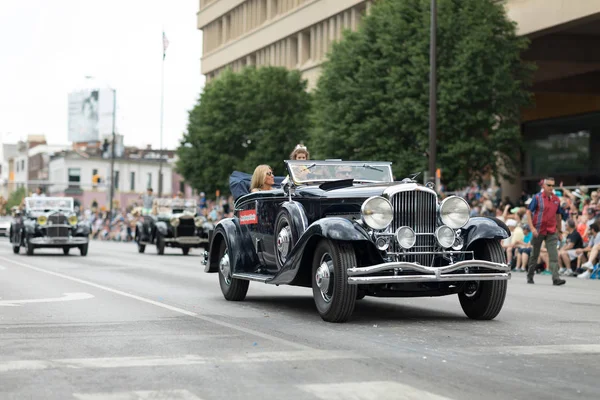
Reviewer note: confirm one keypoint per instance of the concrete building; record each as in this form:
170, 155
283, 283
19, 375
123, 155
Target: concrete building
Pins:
565, 37
84, 176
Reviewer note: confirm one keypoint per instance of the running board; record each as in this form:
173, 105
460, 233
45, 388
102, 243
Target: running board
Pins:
253, 277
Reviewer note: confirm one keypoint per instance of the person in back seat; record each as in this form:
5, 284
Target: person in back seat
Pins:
262, 179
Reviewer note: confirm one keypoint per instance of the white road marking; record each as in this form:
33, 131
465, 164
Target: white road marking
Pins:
150, 361
66, 297
548, 349
139, 395
165, 306
369, 391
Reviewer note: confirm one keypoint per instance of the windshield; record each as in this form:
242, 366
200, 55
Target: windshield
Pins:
49, 203
175, 206
323, 171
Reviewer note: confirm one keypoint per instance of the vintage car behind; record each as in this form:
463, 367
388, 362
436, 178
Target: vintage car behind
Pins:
5, 225
346, 230
173, 223
49, 222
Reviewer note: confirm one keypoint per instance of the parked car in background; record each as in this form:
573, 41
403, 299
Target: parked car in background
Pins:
347, 230
5, 225
49, 222
173, 223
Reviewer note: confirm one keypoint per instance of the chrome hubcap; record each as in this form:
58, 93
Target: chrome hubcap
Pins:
324, 277
225, 268
283, 242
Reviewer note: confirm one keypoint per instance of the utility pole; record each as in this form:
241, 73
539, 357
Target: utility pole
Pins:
112, 154
162, 103
433, 91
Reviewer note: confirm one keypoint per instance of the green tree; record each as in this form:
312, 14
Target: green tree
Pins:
15, 198
243, 120
372, 99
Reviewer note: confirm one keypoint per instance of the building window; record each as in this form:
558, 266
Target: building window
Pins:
305, 47
22, 165
74, 177
293, 51
132, 181
149, 180
182, 186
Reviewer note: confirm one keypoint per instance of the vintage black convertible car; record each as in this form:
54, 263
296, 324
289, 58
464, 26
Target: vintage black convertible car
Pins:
173, 223
346, 230
49, 222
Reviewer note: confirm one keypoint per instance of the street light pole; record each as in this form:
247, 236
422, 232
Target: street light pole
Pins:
112, 153
433, 91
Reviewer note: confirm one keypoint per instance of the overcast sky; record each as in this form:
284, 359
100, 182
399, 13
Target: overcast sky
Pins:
48, 47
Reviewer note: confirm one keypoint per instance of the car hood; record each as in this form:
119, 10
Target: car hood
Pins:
359, 190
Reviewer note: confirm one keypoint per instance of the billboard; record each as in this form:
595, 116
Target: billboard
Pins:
90, 114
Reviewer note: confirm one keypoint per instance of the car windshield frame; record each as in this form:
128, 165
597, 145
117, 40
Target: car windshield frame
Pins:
319, 171
166, 206
49, 203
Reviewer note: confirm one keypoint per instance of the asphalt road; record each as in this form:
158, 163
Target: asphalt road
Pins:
121, 325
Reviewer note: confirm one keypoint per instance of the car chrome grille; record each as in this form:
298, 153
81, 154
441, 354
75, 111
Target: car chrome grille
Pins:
57, 231
418, 210
186, 227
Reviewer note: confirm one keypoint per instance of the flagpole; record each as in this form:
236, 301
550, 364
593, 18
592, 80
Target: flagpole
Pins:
162, 101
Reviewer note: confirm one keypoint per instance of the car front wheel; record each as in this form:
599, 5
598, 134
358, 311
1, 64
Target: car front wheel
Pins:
334, 297
83, 249
160, 244
29, 245
483, 300
233, 289
66, 251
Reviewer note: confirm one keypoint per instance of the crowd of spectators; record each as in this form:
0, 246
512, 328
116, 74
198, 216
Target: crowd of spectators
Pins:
579, 244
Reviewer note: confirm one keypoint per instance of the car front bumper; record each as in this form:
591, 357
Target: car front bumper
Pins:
58, 241
187, 240
364, 275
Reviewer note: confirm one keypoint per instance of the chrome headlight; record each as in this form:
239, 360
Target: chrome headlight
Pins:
174, 222
42, 220
198, 221
406, 237
72, 220
377, 212
454, 212
445, 236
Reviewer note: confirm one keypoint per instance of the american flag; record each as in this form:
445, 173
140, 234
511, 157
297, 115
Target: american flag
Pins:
165, 45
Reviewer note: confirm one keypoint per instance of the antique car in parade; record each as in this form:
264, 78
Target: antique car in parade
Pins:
347, 230
49, 222
173, 223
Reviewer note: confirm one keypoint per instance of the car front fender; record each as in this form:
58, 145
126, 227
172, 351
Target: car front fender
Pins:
162, 228
296, 270
83, 229
29, 227
483, 228
241, 251
298, 215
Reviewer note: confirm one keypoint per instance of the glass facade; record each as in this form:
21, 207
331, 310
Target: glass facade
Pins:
566, 148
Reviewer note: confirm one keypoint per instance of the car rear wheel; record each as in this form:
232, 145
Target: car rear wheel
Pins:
185, 250
233, 289
334, 297
160, 244
83, 249
66, 250
16, 249
483, 300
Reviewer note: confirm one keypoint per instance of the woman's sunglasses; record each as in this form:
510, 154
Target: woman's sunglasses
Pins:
269, 173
